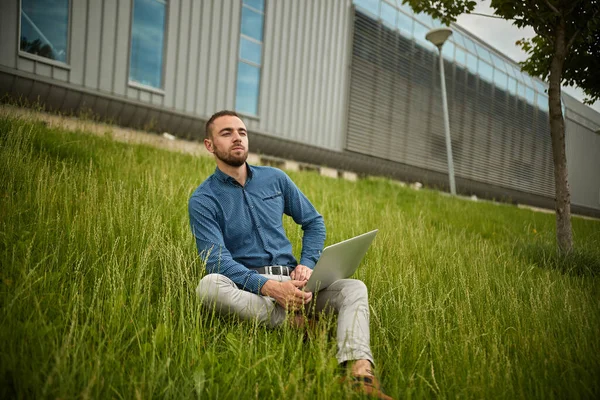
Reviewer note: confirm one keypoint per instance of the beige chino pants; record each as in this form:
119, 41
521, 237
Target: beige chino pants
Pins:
347, 297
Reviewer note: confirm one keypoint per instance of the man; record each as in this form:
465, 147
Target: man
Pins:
236, 218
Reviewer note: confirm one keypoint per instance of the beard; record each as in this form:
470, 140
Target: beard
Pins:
231, 159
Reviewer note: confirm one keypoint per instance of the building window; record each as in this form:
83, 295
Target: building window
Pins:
147, 42
45, 28
250, 56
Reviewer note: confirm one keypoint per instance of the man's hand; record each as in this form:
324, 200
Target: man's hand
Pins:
301, 273
287, 294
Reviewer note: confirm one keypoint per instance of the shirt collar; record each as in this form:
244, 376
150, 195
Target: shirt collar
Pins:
223, 177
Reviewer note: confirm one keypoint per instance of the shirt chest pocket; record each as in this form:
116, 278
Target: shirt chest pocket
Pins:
272, 208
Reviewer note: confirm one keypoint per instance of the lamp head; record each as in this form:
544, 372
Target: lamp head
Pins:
438, 36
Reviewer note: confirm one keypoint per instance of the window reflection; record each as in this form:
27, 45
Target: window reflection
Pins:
486, 71
500, 79
252, 23
484, 54
472, 63
542, 101
448, 50
460, 55
258, 5
470, 45
388, 14
248, 82
498, 62
45, 28
250, 57
371, 6
250, 50
420, 32
147, 42
529, 95
458, 38
405, 24
512, 85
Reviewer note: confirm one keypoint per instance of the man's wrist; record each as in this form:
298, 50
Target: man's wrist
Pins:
267, 287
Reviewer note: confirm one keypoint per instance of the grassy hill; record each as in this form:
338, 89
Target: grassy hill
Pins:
98, 271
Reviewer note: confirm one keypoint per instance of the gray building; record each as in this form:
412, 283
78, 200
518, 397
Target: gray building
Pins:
349, 84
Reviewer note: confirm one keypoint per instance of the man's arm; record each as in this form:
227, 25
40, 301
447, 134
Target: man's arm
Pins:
304, 214
211, 246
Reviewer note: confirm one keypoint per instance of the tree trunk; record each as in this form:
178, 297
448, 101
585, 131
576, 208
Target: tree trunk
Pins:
564, 234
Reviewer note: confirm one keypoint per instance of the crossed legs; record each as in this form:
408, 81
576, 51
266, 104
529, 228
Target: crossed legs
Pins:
346, 297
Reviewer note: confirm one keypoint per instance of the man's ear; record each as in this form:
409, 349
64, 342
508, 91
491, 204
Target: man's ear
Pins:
208, 144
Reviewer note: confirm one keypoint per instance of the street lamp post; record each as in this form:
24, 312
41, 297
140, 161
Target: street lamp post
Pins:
438, 37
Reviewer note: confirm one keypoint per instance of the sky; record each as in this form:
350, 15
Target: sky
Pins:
502, 35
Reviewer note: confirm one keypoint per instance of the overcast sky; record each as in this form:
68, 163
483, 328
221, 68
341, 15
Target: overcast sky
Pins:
502, 35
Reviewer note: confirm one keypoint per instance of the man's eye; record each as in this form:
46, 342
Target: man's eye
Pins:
243, 133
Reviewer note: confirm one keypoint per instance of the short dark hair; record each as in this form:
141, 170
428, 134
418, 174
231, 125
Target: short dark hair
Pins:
222, 113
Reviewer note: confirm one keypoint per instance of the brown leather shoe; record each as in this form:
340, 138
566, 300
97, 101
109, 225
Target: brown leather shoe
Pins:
369, 385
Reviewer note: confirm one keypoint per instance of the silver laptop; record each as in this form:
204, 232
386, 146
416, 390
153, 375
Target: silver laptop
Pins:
339, 261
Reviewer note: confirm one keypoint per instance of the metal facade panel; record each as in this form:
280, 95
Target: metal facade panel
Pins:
43, 69
107, 45
170, 54
25, 64
60, 74
225, 76
77, 48
193, 59
201, 101
303, 73
181, 54
9, 32
121, 48
395, 113
583, 163
92, 44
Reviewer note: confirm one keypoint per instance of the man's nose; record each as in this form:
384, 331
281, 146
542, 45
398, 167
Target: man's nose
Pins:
236, 136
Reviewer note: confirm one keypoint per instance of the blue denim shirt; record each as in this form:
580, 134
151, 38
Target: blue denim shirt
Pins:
240, 227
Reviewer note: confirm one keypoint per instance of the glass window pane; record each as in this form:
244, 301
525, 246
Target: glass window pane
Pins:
539, 86
436, 23
256, 4
371, 6
521, 89
500, 79
405, 24
486, 71
530, 95
248, 85
542, 101
472, 63
448, 50
512, 85
498, 62
404, 7
460, 56
424, 18
388, 14
252, 24
45, 28
483, 54
420, 32
470, 45
147, 42
458, 38
250, 50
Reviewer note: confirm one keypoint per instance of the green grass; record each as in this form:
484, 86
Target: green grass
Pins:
98, 271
